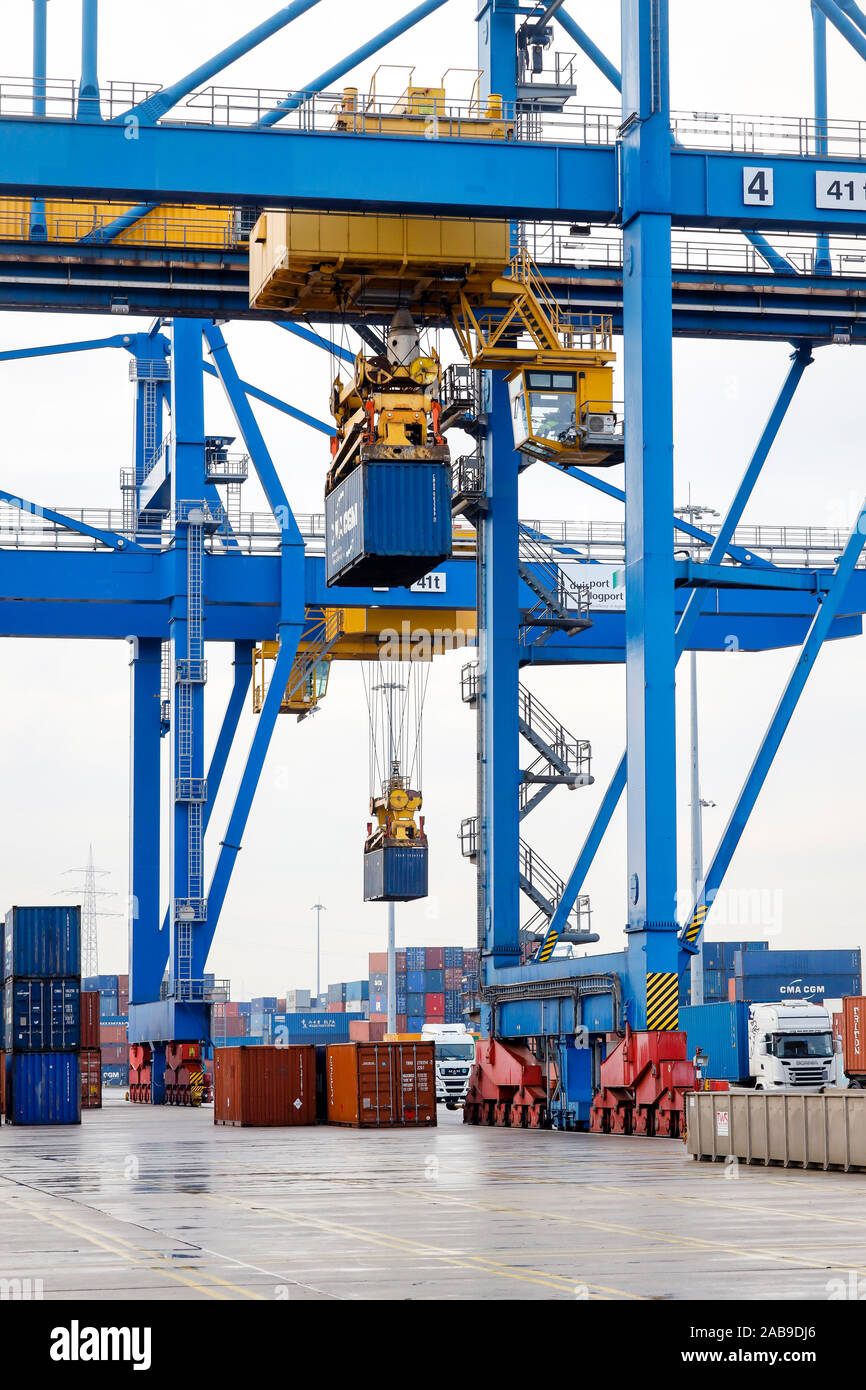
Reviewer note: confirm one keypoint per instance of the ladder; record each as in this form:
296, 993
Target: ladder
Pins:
563, 605
541, 884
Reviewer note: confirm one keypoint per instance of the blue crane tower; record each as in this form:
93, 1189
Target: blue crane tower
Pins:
123, 200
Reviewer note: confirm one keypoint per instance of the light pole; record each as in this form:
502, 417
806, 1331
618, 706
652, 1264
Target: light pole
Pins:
695, 513
392, 971
318, 908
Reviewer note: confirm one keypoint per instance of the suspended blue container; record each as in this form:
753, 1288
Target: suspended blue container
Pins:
42, 941
388, 523
43, 1088
41, 1016
395, 874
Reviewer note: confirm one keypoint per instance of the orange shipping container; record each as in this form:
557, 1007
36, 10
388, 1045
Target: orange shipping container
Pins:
381, 1084
265, 1085
378, 962
113, 1033
854, 1034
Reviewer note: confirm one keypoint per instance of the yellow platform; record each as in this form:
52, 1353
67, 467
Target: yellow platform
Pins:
168, 225
304, 263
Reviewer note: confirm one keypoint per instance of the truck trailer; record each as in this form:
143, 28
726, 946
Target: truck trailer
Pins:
765, 1046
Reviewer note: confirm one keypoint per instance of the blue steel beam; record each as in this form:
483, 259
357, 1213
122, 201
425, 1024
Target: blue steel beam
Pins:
243, 674
230, 845
649, 616
687, 622
819, 74
88, 87
464, 178
38, 225
733, 833
309, 336
252, 435
150, 110
846, 26
338, 70
592, 51
148, 945
854, 12
268, 399
119, 340
112, 539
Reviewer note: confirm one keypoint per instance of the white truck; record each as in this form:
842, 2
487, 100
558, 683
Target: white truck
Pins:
792, 1045
455, 1055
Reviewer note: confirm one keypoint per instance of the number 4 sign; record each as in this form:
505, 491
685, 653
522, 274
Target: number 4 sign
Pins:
757, 186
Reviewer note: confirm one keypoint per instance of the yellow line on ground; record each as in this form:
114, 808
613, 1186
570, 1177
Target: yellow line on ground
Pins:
75, 1229
404, 1245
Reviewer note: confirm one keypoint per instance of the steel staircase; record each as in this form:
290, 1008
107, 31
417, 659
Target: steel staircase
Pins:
563, 605
562, 760
541, 884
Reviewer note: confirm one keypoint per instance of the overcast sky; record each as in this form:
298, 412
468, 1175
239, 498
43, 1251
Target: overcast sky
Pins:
66, 432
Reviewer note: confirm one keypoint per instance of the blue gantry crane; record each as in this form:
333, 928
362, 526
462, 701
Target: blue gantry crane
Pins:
585, 226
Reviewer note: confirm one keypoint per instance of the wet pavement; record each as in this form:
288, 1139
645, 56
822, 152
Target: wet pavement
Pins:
158, 1203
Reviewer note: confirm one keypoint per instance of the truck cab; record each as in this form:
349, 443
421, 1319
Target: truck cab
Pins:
791, 1045
455, 1057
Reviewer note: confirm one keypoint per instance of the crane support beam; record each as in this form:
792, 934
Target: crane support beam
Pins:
112, 539
854, 33
733, 833
148, 945
345, 65
688, 619
243, 674
149, 111
519, 180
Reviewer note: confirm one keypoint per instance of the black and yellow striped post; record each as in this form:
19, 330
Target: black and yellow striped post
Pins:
693, 930
662, 1001
547, 947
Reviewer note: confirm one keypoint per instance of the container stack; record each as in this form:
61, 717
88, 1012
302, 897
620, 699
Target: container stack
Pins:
768, 977
718, 957
431, 985
113, 991
42, 1015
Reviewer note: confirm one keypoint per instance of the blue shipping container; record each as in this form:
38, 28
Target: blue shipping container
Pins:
357, 989
416, 1004
388, 522
43, 1088
244, 1010
41, 1016
108, 1006
115, 1075
310, 1027
415, 957
434, 981
415, 981
261, 1006
395, 874
378, 1004
401, 1004
453, 957
797, 963
42, 941
813, 987
722, 1032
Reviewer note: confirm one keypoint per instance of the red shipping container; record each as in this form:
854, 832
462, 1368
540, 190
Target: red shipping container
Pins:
434, 958
236, 1027
90, 1018
402, 1022
281, 1006
854, 1034
400, 957
232, 1009
112, 1053
377, 1027
453, 977
435, 1005
838, 1028
378, 962
381, 1085
359, 1030
123, 984
91, 1077
470, 962
112, 1033
265, 1085
336, 1008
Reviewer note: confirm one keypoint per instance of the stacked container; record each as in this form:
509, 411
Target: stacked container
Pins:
429, 985
42, 1015
90, 1058
767, 977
